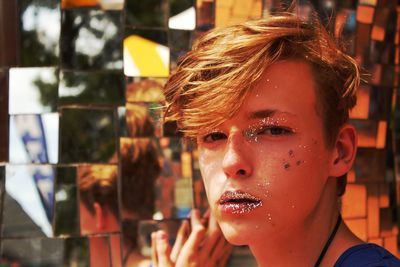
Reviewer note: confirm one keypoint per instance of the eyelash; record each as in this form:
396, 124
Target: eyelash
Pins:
216, 136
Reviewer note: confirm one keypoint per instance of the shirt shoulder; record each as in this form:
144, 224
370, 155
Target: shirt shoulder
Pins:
367, 255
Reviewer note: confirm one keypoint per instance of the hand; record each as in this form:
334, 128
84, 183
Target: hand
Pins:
204, 245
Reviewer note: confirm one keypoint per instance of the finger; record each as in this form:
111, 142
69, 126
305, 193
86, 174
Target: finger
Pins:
206, 218
222, 247
226, 254
213, 236
190, 250
154, 249
180, 240
163, 249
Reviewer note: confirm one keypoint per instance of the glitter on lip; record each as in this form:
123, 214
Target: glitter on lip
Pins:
238, 202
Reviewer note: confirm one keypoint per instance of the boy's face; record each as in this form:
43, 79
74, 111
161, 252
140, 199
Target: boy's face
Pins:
266, 169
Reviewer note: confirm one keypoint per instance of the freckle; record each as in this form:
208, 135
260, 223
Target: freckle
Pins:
287, 166
299, 162
291, 153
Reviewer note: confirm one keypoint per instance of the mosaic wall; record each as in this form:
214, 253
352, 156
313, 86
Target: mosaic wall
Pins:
87, 167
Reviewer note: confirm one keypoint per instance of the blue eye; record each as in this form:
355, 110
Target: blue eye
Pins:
212, 137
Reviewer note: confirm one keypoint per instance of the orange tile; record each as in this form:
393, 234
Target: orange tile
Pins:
378, 241
351, 176
354, 201
387, 226
373, 211
381, 135
361, 110
365, 14
383, 196
390, 243
358, 227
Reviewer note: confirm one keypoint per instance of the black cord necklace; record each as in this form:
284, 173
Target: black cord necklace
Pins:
330, 239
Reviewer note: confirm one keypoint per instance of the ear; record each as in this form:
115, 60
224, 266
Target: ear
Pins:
99, 216
344, 151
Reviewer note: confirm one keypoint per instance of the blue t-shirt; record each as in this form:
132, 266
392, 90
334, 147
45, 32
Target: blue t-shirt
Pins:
367, 255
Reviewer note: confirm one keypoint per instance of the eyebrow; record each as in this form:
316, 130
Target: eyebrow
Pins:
265, 113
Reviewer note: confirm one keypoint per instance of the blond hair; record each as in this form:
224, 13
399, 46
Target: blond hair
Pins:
212, 80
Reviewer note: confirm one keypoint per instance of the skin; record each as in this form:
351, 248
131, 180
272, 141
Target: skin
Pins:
274, 149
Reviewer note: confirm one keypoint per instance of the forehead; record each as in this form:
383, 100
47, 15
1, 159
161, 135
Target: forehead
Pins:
287, 86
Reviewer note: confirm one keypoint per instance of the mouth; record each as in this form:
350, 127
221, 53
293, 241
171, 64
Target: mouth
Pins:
238, 202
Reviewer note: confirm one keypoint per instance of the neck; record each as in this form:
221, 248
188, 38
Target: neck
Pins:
302, 244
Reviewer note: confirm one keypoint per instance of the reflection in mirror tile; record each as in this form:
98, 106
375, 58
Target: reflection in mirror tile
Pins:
137, 239
99, 248
87, 135
106, 87
149, 13
145, 89
2, 190
33, 252
66, 211
33, 90
39, 32
180, 44
28, 202
76, 252
370, 165
4, 118
228, 12
151, 43
182, 15
91, 39
156, 178
205, 16
140, 168
143, 119
116, 254
103, 4
34, 138
98, 195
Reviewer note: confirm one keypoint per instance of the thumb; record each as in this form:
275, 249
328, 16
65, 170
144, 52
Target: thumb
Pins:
163, 249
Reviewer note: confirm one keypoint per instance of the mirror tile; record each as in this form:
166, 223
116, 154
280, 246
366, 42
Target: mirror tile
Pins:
103, 4
143, 119
4, 118
154, 45
33, 90
91, 39
66, 210
33, 252
95, 88
205, 15
87, 135
39, 30
28, 203
98, 199
149, 13
34, 138
149, 89
162, 189
182, 15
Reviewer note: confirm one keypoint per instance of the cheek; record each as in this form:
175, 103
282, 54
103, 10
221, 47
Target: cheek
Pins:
210, 168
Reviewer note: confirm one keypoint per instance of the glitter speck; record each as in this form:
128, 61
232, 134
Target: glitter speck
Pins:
287, 166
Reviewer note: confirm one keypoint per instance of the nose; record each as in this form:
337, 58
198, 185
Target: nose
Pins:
236, 162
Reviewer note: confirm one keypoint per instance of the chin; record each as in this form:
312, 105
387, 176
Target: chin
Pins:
237, 236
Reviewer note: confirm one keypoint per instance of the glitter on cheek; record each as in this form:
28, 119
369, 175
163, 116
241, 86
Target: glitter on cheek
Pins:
286, 166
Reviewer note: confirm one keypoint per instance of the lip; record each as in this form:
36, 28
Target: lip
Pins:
238, 202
